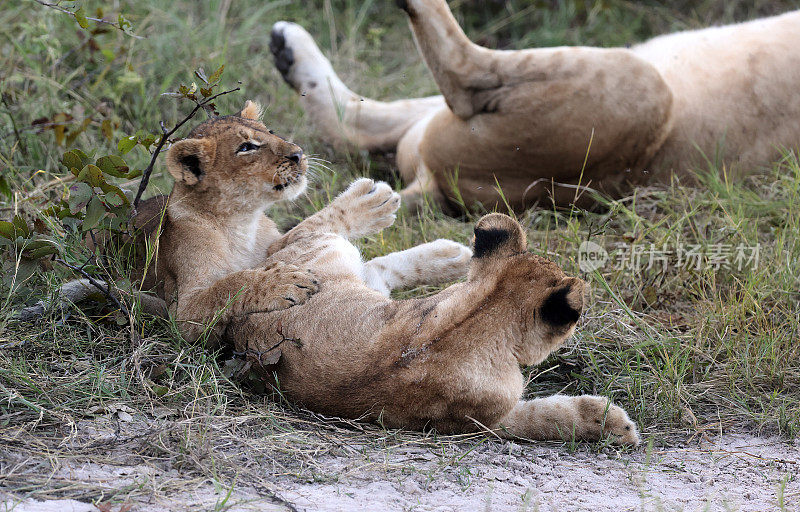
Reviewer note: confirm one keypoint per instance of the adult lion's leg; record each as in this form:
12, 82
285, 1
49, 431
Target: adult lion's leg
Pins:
568, 418
458, 66
436, 262
343, 116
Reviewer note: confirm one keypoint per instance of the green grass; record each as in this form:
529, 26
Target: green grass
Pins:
685, 351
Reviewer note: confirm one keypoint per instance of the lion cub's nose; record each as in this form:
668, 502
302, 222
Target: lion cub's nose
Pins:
295, 157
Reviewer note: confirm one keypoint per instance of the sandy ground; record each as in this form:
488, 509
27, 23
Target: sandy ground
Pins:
726, 473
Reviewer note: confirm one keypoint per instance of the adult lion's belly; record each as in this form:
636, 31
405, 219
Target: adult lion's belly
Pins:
735, 93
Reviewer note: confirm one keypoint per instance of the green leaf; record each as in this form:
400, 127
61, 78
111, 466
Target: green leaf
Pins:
123, 23
216, 75
40, 248
21, 226
24, 271
126, 144
114, 199
94, 212
37, 244
108, 54
71, 160
79, 195
74, 160
108, 188
44, 251
159, 390
92, 175
7, 230
145, 139
113, 165
5, 188
80, 17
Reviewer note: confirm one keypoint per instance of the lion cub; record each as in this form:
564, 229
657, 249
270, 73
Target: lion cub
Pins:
450, 361
215, 238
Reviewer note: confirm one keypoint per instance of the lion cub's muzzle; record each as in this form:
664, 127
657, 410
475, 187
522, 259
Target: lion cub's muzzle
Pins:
291, 171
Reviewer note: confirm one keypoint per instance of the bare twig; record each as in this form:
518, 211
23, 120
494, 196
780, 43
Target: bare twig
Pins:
165, 135
97, 20
14, 125
105, 290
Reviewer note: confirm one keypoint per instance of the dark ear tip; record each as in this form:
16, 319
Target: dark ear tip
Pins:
496, 231
488, 240
558, 309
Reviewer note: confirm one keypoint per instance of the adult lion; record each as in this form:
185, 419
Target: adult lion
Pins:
531, 118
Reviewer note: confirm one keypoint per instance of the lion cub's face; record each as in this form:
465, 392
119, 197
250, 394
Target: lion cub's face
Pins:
236, 161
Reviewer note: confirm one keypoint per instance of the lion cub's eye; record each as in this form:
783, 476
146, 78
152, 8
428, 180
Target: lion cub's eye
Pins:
246, 147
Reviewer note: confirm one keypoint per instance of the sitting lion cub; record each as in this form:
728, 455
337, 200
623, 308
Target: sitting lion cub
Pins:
215, 237
449, 361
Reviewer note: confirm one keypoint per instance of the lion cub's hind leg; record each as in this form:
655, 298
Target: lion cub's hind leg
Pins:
566, 418
436, 262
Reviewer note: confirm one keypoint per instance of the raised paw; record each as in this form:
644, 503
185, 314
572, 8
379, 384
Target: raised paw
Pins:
602, 418
300, 62
366, 207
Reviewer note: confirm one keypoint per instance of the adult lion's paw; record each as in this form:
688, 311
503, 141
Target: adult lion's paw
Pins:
602, 418
280, 286
367, 207
300, 61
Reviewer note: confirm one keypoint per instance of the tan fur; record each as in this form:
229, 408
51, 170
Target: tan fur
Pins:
530, 118
306, 301
214, 238
450, 361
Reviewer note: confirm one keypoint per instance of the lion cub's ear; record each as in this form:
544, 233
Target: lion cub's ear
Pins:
188, 159
498, 235
251, 110
564, 304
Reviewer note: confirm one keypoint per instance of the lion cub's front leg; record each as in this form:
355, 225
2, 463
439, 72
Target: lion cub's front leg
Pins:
278, 286
364, 208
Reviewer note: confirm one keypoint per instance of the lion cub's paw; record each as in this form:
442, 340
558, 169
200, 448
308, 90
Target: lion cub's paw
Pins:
449, 259
280, 286
367, 207
602, 418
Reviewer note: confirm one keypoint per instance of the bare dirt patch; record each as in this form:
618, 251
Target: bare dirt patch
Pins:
378, 470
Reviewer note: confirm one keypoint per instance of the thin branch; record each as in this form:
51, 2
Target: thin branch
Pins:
14, 125
97, 20
105, 290
165, 135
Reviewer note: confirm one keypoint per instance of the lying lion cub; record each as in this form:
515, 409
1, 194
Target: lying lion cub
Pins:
450, 361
